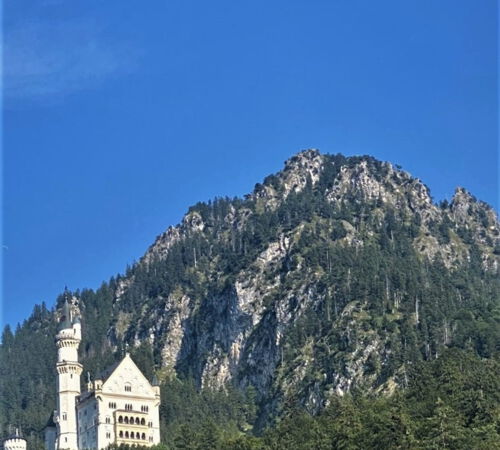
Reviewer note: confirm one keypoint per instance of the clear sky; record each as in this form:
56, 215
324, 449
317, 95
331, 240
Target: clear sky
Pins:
120, 114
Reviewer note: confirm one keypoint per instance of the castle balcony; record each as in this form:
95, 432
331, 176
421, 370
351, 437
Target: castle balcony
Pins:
132, 428
65, 340
69, 367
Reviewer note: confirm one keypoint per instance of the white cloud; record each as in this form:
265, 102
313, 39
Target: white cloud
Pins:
43, 58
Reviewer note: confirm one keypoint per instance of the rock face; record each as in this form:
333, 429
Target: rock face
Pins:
336, 272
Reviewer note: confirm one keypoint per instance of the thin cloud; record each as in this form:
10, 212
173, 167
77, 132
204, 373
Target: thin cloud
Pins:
43, 58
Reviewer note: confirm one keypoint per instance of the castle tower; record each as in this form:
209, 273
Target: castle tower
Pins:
68, 378
14, 442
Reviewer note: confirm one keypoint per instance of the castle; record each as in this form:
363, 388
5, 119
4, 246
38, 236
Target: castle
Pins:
119, 407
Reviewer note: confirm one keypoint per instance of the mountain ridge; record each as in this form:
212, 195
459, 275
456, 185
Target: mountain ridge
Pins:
310, 162
360, 180
335, 275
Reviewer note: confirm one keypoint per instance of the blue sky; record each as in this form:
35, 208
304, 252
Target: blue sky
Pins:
119, 115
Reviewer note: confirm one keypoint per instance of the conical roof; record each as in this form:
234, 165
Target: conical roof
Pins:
65, 321
50, 423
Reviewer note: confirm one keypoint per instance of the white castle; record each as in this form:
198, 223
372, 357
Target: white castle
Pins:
118, 407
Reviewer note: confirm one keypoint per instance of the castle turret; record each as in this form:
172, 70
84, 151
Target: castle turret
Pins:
14, 442
68, 378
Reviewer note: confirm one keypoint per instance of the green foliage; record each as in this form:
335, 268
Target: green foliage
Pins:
441, 408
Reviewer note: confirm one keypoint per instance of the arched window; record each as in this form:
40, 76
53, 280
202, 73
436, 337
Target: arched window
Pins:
120, 419
126, 419
132, 435
143, 436
128, 387
137, 421
143, 421
132, 420
121, 434
126, 434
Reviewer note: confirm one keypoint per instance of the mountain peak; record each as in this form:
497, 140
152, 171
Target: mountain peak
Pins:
302, 158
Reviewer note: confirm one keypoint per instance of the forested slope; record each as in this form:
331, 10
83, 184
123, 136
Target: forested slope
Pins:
336, 291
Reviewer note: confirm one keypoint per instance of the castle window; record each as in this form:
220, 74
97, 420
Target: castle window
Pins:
126, 434
137, 421
120, 419
143, 422
126, 419
131, 420
108, 435
128, 387
121, 434
132, 435
150, 424
143, 436
64, 416
112, 405
108, 420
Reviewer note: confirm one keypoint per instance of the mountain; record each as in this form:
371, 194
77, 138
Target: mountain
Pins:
334, 276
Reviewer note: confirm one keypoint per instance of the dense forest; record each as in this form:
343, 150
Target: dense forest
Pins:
337, 306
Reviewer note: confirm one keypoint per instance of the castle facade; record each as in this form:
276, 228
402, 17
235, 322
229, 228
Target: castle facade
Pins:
119, 407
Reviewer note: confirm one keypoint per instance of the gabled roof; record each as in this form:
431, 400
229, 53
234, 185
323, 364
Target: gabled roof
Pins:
126, 371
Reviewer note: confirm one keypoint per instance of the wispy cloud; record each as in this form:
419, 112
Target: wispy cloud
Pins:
46, 58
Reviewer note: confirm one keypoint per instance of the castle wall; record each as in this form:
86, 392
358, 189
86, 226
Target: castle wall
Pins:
50, 438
